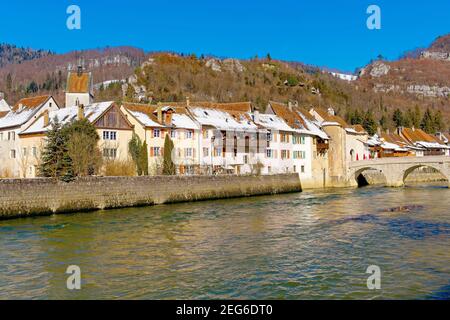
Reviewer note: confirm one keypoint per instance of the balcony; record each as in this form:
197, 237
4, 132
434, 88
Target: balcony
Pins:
322, 147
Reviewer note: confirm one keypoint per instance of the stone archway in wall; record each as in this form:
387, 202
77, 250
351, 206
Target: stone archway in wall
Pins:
368, 176
440, 171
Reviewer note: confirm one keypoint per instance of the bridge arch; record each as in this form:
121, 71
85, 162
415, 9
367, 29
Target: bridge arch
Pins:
410, 169
361, 179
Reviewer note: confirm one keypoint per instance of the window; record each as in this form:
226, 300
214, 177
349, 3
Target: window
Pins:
303, 169
299, 154
269, 153
155, 152
217, 152
302, 140
34, 150
269, 136
1, 136
173, 134
295, 168
156, 133
24, 152
188, 152
109, 135
205, 134
205, 152
189, 134
12, 154
110, 153
269, 169
11, 136
245, 159
285, 154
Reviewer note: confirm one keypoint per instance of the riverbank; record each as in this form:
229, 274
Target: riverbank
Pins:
40, 197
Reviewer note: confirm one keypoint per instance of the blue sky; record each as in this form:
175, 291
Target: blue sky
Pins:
323, 33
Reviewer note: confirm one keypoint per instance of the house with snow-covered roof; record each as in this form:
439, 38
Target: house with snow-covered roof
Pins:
152, 124
309, 143
14, 157
430, 144
113, 128
231, 141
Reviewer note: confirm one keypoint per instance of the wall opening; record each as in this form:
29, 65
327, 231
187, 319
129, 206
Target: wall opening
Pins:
424, 175
370, 176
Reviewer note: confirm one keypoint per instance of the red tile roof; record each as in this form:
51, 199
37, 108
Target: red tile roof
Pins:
417, 135
79, 83
31, 103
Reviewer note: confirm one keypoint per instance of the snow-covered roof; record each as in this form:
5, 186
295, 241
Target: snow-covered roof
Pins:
431, 145
4, 106
66, 115
313, 128
18, 118
184, 121
144, 119
221, 119
273, 122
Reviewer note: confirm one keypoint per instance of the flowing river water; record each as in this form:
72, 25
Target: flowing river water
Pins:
310, 245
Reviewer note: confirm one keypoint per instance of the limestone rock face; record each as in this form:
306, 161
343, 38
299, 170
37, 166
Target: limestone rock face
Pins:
443, 56
214, 64
233, 65
379, 69
429, 91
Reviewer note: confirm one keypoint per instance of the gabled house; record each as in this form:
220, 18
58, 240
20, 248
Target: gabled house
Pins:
231, 142
387, 145
113, 128
152, 124
12, 154
79, 88
431, 145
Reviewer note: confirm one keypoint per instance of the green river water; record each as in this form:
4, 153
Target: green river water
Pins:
310, 245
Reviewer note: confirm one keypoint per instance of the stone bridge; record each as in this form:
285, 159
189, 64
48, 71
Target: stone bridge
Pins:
396, 170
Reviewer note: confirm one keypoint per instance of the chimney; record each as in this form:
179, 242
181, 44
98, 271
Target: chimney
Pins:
80, 112
256, 115
188, 102
331, 111
388, 131
168, 117
159, 113
413, 128
20, 106
399, 130
46, 117
290, 105
379, 131
80, 70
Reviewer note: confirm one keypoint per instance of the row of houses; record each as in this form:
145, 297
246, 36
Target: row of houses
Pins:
208, 137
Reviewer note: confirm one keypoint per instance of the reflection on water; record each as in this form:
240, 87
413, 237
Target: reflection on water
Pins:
311, 245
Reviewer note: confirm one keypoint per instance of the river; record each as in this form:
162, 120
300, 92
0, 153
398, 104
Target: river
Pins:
310, 245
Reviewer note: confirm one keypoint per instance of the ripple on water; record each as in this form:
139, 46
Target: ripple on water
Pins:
312, 245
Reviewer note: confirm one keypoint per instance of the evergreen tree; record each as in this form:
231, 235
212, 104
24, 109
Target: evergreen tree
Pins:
9, 82
168, 165
428, 122
417, 117
397, 117
55, 160
143, 159
369, 123
438, 122
135, 149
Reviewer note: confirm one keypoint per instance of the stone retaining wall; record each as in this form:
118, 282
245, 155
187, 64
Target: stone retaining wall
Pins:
31, 197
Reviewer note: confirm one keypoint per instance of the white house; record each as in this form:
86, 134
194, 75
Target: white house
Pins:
14, 157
